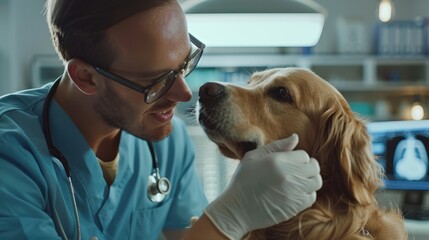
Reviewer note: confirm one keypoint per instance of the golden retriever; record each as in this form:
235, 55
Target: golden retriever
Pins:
279, 102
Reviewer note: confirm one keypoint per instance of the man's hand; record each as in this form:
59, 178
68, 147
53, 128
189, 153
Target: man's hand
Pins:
271, 184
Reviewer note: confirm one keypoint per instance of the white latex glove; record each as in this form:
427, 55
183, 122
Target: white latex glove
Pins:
271, 184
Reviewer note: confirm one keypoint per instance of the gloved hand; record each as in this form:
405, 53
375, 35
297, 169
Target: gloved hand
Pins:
271, 184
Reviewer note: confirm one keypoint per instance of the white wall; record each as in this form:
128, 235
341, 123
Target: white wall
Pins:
24, 34
4, 43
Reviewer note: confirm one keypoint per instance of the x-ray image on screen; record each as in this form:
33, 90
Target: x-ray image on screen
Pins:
402, 148
410, 159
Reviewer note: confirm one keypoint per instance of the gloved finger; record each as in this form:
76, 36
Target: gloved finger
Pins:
310, 185
314, 162
295, 157
311, 199
310, 169
285, 144
306, 200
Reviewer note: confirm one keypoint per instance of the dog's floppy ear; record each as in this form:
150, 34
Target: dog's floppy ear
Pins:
344, 152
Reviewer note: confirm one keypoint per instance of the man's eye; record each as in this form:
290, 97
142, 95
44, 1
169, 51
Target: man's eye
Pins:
281, 94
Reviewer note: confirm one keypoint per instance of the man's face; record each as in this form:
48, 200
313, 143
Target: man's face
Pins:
147, 45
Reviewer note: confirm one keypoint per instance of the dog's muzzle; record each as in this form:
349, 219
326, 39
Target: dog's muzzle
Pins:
211, 97
211, 93
216, 118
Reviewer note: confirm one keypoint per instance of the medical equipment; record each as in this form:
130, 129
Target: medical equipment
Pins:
157, 188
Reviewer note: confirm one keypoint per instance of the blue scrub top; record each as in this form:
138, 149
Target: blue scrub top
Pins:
35, 200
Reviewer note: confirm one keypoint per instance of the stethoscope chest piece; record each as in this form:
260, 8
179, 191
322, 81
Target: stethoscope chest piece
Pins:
157, 188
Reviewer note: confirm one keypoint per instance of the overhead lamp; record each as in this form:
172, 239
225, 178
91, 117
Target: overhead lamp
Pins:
417, 112
255, 23
385, 10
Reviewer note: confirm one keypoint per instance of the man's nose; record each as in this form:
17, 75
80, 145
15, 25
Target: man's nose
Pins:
180, 91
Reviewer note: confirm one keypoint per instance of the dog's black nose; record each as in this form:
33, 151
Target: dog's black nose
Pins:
211, 90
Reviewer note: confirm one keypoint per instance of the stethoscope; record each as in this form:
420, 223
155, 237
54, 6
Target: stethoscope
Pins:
157, 187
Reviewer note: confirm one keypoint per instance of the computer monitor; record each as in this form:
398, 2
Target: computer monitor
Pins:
402, 149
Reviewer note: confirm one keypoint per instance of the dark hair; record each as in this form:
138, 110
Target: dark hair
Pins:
77, 27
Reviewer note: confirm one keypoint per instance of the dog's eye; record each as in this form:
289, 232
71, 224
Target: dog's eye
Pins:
281, 94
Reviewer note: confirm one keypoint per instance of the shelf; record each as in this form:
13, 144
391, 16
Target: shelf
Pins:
369, 69
392, 87
247, 60
242, 59
364, 80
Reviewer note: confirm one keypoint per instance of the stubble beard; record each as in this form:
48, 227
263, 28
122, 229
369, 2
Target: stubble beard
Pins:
118, 113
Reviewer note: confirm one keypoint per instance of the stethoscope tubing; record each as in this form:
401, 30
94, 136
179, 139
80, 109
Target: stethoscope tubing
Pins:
56, 153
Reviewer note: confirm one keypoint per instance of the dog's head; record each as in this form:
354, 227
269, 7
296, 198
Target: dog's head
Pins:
279, 102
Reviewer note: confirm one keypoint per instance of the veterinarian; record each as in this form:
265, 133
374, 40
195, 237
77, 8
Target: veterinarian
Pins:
98, 154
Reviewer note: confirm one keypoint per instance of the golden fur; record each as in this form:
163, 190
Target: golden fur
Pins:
282, 101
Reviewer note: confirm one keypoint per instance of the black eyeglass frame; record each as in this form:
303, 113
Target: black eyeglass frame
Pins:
168, 77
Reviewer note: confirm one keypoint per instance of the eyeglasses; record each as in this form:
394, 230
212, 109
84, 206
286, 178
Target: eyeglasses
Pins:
161, 85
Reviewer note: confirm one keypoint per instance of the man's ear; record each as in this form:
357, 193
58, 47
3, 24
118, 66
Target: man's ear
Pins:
83, 75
